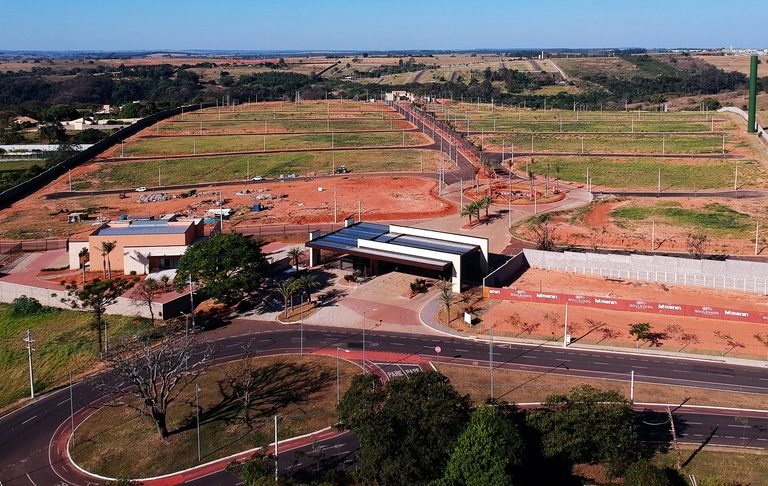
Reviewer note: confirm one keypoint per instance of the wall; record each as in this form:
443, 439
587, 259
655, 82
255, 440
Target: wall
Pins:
761, 133
74, 251
737, 275
116, 257
505, 274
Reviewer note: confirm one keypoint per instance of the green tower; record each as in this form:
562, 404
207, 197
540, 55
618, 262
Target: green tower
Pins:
751, 125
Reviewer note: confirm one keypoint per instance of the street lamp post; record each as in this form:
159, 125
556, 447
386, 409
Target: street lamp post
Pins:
338, 379
363, 362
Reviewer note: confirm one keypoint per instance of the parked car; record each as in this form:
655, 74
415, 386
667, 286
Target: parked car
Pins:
342, 169
141, 189
257, 178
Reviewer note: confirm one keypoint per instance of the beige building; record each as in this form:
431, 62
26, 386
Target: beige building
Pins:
141, 246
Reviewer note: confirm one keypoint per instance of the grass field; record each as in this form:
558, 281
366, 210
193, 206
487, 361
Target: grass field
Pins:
527, 387
292, 125
236, 167
672, 144
643, 173
720, 468
241, 143
118, 442
713, 218
14, 164
64, 343
738, 63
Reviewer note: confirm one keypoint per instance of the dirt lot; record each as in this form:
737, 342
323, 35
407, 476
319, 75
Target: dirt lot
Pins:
611, 327
289, 202
729, 224
732, 63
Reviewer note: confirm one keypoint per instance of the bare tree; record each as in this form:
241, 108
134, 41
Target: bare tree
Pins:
243, 379
156, 373
697, 244
530, 327
762, 339
553, 320
148, 290
728, 342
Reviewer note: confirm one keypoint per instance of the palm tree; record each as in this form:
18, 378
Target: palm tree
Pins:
557, 177
286, 289
469, 211
308, 282
531, 176
446, 297
295, 255
485, 203
106, 249
165, 279
83, 256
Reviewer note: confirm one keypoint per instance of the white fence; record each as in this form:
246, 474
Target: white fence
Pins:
735, 275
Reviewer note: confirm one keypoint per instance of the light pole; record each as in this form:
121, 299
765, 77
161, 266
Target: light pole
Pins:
301, 326
363, 342
197, 406
192, 300
338, 379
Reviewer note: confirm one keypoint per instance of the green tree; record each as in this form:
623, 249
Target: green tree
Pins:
95, 296
487, 452
446, 298
587, 426
485, 203
148, 290
468, 210
83, 257
643, 473
406, 427
107, 247
295, 255
286, 289
541, 227
226, 267
59, 112
308, 283
52, 132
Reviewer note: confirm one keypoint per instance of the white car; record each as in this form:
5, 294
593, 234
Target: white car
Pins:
141, 189
257, 178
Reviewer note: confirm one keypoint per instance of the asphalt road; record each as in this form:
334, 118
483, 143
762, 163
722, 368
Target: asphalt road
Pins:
25, 434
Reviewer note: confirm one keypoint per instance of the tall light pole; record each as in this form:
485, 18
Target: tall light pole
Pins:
338, 379
363, 342
490, 360
29, 342
301, 326
192, 300
197, 406
276, 443
71, 411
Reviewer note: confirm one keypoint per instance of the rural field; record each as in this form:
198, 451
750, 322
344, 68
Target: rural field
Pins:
738, 63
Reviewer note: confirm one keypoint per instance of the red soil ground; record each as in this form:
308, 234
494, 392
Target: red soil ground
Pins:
550, 318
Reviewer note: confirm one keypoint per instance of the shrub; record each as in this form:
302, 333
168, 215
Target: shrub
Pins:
27, 306
350, 278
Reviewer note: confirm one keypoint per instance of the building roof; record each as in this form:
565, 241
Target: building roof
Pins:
143, 227
346, 240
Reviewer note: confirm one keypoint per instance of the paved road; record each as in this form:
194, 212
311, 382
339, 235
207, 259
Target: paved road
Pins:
25, 434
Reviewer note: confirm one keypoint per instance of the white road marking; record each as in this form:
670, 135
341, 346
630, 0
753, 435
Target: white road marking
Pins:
29, 419
740, 426
60, 403
30, 480
694, 423
600, 363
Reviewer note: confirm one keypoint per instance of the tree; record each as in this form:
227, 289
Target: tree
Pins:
643, 332
295, 255
697, 244
148, 290
728, 341
587, 426
227, 267
487, 452
485, 203
286, 288
406, 427
446, 298
96, 296
469, 210
156, 373
106, 248
643, 473
83, 257
762, 339
307, 283
540, 226
165, 279
59, 112
52, 132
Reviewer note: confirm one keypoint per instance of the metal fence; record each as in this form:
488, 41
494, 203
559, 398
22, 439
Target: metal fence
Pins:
7, 247
742, 276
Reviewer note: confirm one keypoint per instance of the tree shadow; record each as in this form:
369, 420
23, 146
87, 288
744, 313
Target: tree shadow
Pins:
701, 447
275, 387
654, 431
332, 297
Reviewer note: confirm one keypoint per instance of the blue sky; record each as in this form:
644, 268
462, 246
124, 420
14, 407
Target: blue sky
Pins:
375, 25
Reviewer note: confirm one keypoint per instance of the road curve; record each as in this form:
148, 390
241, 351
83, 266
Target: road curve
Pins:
25, 434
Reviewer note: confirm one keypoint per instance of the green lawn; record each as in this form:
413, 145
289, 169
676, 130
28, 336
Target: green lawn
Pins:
672, 144
64, 343
16, 165
718, 468
235, 167
118, 442
240, 143
642, 173
282, 125
712, 218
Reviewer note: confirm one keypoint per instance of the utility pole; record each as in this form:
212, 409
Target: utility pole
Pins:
490, 359
335, 206
363, 360
565, 327
757, 236
192, 300
359, 211
632, 386
71, 411
29, 342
